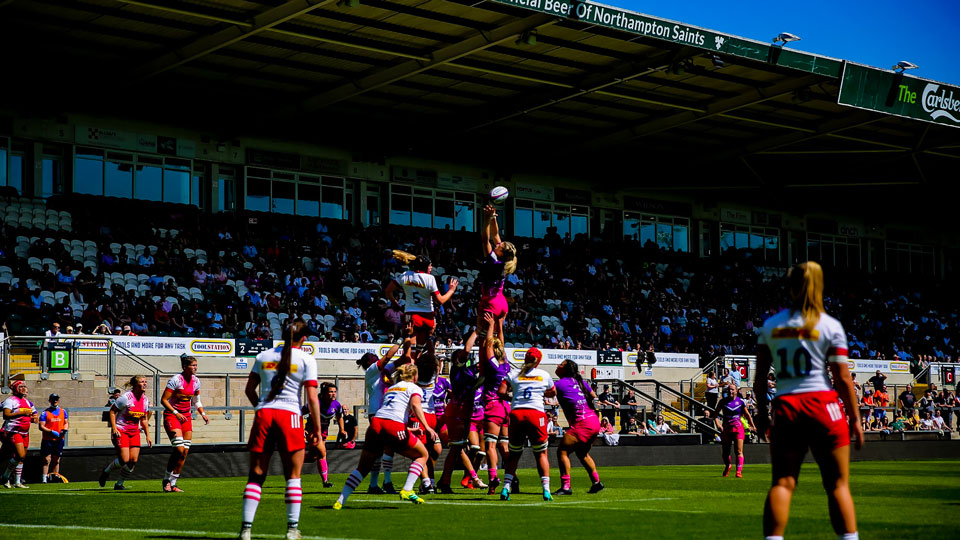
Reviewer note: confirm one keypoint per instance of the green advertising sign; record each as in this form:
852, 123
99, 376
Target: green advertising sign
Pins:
59, 358
894, 93
692, 36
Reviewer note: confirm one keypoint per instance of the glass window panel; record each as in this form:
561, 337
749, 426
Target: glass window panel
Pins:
348, 207
523, 203
443, 194
422, 212
284, 195
51, 176
400, 189
854, 257
258, 195
772, 246
523, 222
176, 186
680, 239
631, 227
648, 233
915, 262
119, 180
741, 240
400, 207
840, 254
284, 175
88, 176
727, 240
443, 214
196, 181
541, 220
332, 202
562, 223
308, 200
331, 181
665, 236
579, 225
253, 172
3, 166
373, 209
147, 182
464, 220
813, 249
15, 180
756, 241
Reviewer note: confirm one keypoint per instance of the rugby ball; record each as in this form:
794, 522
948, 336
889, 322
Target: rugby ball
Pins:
499, 194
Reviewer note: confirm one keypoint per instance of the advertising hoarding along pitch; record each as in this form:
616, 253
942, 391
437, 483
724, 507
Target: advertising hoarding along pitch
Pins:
898, 94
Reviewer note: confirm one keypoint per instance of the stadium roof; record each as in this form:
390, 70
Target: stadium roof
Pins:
568, 87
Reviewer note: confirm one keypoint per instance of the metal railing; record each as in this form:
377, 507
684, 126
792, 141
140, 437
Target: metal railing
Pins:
696, 379
659, 404
691, 403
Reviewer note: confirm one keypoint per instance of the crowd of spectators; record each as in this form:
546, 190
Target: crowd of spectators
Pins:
575, 292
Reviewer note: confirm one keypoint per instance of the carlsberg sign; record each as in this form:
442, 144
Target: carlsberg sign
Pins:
884, 91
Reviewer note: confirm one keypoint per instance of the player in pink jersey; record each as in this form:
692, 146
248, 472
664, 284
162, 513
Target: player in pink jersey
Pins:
577, 401
388, 428
18, 413
183, 390
494, 368
274, 388
808, 348
732, 408
128, 416
499, 260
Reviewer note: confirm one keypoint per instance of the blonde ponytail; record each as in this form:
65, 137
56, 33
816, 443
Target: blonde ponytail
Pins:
509, 257
406, 372
806, 292
403, 256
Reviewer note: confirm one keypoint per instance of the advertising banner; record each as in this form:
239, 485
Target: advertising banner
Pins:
160, 346
885, 366
671, 360
556, 356
898, 94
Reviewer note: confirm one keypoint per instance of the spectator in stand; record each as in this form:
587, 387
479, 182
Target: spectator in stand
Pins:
949, 403
907, 400
735, 377
608, 433
631, 427
608, 405
857, 387
54, 330
940, 424
630, 400
713, 390
127, 331
877, 380
348, 437
881, 400
662, 427
145, 260
136, 328
927, 403
926, 422
913, 421
898, 424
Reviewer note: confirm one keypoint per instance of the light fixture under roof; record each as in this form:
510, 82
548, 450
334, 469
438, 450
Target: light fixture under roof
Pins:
785, 37
903, 65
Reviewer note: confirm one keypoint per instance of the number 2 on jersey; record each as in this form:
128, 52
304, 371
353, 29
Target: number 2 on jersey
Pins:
802, 363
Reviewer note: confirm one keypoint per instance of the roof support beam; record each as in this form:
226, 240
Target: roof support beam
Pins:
225, 37
592, 83
717, 108
477, 41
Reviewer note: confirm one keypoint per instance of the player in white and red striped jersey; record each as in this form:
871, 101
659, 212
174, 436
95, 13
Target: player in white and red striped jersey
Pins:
129, 415
420, 291
807, 347
388, 429
18, 413
280, 375
182, 392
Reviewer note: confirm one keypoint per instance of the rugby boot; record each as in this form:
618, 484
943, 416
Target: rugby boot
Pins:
597, 487
410, 496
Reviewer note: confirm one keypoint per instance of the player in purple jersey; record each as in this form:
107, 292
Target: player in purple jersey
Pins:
330, 409
576, 399
499, 259
732, 408
493, 369
458, 416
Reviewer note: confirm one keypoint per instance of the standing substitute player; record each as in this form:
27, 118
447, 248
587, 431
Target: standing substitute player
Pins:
803, 343
280, 374
181, 392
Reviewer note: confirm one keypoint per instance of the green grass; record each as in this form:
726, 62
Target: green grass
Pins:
894, 500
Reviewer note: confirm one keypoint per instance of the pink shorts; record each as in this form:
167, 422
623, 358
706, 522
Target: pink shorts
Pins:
733, 430
476, 425
585, 429
495, 305
496, 411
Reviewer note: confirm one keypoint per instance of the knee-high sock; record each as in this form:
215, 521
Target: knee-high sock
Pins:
565, 481
323, 469
115, 464
173, 478
387, 464
293, 498
545, 481
508, 482
8, 469
125, 473
374, 474
739, 463
412, 474
726, 459
595, 476
18, 473
251, 499
351, 484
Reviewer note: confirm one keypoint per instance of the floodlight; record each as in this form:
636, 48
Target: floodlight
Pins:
717, 61
527, 38
785, 37
903, 65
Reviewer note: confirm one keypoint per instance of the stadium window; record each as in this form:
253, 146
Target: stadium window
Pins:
332, 202
148, 179
443, 212
666, 232
196, 184
118, 175
373, 204
308, 196
225, 194
284, 197
348, 200
258, 195
422, 208
561, 220
542, 219
4, 153
51, 171
681, 240
176, 180
88, 171
759, 241
523, 218
579, 220
910, 258
401, 205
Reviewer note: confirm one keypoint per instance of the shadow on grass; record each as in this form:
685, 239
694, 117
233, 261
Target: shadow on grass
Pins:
364, 507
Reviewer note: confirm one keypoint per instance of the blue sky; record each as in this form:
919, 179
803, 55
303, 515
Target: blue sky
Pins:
878, 33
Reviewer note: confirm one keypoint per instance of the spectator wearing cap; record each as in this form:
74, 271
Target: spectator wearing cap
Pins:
54, 422
118, 330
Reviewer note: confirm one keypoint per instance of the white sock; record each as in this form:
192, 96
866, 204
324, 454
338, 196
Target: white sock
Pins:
251, 499
416, 469
772, 538
173, 478
166, 474
18, 472
113, 465
849, 536
374, 474
8, 470
545, 480
293, 498
427, 482
351, 484
387, 464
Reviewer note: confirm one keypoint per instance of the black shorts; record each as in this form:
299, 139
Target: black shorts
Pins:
51, 447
